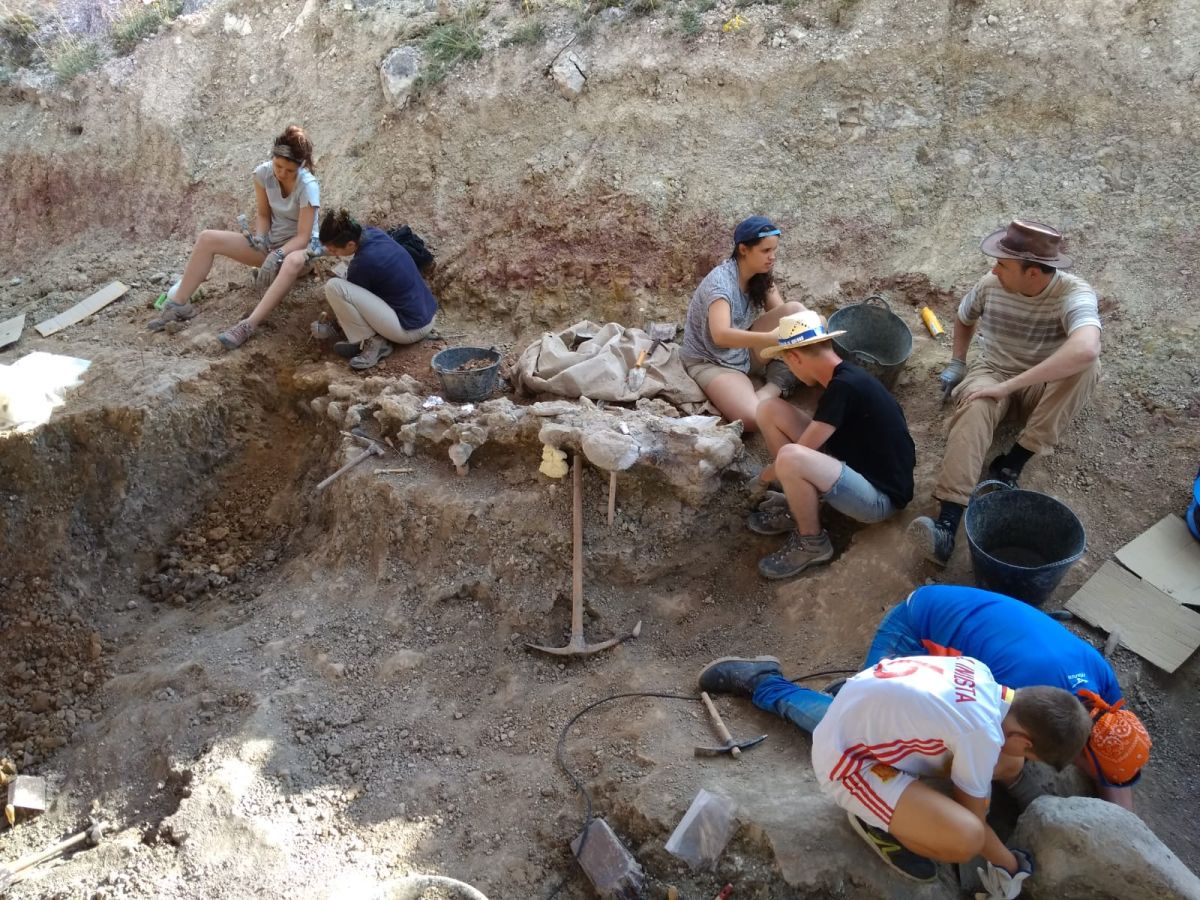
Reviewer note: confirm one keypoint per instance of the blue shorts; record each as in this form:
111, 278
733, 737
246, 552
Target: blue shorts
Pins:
854, 496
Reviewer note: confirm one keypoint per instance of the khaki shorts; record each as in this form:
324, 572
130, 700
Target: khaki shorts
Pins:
704, 372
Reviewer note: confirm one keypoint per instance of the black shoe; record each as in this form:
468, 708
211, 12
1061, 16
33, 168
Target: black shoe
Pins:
737, 674
1003, 473
933, 537
895, 854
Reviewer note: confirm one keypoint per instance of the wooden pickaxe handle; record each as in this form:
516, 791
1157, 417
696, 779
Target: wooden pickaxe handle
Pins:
722, 731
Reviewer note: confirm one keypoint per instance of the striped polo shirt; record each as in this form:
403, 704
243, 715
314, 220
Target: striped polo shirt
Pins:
1018, 332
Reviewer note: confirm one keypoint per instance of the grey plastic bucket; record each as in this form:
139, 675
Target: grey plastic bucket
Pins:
1022, 542
876, 338
466, 385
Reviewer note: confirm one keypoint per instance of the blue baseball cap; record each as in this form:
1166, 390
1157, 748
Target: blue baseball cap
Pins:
753, 228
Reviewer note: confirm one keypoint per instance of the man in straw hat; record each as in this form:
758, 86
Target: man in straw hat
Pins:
854, 452
1023, 647
1039, 331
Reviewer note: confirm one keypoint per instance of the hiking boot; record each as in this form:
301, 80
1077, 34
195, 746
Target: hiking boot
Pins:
374, 351
1003, 473
778, 374
933, 538
737, 674
237, 335
171, 312
891, 851
771, 518
799, 553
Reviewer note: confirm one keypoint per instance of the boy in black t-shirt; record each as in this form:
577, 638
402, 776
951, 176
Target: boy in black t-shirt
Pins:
854, 453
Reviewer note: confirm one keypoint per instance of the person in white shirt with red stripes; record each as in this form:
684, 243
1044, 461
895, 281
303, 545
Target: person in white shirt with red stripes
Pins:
913, 717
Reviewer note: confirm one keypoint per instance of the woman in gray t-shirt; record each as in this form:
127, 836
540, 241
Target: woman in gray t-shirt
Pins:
282, 244
729, 320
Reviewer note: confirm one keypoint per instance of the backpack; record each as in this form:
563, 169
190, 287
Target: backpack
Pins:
415, 245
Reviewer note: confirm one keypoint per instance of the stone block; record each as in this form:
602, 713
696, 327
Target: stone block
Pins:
1088, 849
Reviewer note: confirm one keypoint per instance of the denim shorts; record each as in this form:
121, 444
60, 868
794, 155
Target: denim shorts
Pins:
854, 496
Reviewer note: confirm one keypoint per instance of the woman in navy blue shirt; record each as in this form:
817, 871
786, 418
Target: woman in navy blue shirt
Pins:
383, 300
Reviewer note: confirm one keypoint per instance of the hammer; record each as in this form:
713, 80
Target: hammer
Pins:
91, 836
730, 746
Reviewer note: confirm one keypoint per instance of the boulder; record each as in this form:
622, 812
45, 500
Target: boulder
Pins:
1087, 849
398, 73
569, 74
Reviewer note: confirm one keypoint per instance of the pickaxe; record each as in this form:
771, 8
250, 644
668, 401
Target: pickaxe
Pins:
373, 449
577, 646
730, 746
91, 836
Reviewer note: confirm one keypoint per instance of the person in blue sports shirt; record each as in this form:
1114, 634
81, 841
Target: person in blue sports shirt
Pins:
1023, 646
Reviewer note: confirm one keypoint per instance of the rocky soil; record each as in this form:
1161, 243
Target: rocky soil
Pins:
273, 692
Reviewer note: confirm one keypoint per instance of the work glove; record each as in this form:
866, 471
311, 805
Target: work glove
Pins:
259, 242
952, 377
268, 270
998, 884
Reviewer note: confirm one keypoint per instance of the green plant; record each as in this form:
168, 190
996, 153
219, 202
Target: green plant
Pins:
71, 56
140, 21
18, 31
689, 21
530, 32
449, 44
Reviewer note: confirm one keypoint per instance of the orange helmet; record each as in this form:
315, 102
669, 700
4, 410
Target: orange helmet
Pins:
1119, 745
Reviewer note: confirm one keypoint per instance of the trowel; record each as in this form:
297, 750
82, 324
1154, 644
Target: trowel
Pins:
637, 375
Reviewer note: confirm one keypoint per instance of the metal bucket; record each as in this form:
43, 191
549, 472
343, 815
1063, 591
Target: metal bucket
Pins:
466, 385
1022, 542
876, 338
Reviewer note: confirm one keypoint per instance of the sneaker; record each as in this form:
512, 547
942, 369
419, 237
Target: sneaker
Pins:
737, 674
171, 312
237, 335
374, 351
1003, 473
799, 553
771, 518
891, 851
933, 538
834, 687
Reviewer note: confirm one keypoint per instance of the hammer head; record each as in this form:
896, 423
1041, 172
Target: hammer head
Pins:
729, 748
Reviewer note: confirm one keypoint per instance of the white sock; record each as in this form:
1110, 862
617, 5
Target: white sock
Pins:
172, 291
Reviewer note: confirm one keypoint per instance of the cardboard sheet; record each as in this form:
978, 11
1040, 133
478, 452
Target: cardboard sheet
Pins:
10, 330
1168, 557
82, 309
1151, 623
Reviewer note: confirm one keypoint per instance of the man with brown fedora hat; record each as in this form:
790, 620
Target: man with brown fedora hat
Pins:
1039, 331
854, 453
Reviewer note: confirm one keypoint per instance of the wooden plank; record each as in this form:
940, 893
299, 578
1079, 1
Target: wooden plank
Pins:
10, 330
1168, 557
1150, 623
82, 309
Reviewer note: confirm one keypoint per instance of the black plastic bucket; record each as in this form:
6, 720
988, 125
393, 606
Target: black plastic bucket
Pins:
876, 338
1022, 542
466, 385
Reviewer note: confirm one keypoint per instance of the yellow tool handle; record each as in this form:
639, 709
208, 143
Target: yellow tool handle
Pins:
931, 322
641, 359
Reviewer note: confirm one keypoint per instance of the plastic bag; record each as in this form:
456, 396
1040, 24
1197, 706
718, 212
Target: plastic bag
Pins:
705, 829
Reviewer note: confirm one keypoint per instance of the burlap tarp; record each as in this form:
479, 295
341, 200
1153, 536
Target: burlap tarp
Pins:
593, 361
